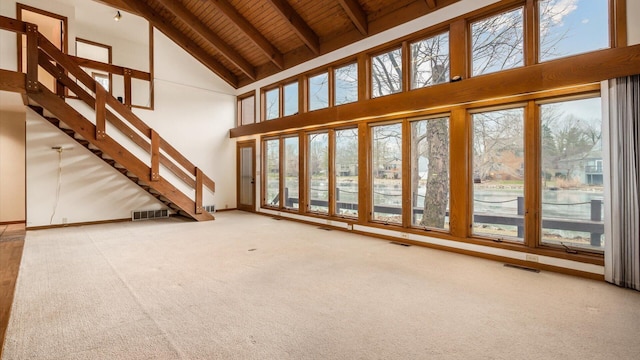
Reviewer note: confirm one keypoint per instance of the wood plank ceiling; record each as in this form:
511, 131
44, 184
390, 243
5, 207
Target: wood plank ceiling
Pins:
246, 40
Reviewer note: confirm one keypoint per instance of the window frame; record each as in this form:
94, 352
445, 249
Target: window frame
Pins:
402, 75
240, 111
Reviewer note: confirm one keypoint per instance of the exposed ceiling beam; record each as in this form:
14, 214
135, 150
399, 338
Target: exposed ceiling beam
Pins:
252, 33
431, 4
299, 26
183, 41
356, 14
195, 24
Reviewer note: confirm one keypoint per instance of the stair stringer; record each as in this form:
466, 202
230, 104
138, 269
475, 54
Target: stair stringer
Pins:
82, 126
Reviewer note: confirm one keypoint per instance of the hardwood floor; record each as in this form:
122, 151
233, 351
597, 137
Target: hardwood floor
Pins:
11, 245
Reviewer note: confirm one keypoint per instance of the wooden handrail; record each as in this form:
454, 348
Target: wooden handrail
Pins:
111, 68
40, 52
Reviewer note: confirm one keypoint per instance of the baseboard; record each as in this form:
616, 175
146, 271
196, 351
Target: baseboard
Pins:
12, 222
223, 210
78, 224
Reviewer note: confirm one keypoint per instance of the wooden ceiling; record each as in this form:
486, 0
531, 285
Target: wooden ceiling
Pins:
246, 40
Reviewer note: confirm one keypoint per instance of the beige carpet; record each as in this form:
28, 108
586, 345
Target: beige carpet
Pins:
250, 287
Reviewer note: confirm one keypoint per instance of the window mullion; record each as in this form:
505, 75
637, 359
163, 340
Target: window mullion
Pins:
532, 175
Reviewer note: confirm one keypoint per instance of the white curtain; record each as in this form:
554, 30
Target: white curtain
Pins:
622, 253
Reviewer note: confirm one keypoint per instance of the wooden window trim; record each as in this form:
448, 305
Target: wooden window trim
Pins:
396, 46
239, 111
65, 22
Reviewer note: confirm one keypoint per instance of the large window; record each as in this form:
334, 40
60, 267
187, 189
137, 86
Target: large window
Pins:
318, 172
498, 174
290, 95
386, 73
291, 172
272, 172
272, 104
498, 42
346, 84
319, 91
572, 174
430, 61
346, 172
386, 173
572, 27
430, 173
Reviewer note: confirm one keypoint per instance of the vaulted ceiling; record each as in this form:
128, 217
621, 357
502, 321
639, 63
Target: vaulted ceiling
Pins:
246, 40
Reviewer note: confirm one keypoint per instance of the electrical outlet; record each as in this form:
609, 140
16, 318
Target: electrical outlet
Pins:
531, 257
350, 227
404, 235
328, 222
64, 220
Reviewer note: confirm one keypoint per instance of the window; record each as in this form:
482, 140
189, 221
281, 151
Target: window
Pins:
272, 104
572, 174
572, 27
272, 170
430, 173
386, 170
291, 173
246, 110
386, 73
498, 42
318, 172
498, 174
430, 61
102, 79
346, 84
319, 91
290, 99
346, 172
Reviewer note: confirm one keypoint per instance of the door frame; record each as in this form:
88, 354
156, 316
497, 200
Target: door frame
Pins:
240, 145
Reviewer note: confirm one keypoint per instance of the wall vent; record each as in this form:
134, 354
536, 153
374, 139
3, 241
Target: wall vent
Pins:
149, 214
209, 208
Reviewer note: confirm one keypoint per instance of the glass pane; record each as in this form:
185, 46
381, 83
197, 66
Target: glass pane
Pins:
291, 172
246, 176
272, 167
572, 27
346, 168
387, 173
430, 61
272, 104
247, 109
319, 172
572, 176
497, 42
346, 84
319, 91
291, 99
430, 173
386, 73
498, 174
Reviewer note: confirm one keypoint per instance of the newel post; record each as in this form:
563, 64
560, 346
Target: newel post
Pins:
198, 191
155, 156
32, 57
101, 112
127, 87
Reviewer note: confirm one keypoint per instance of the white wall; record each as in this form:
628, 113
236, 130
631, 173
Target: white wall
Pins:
194, 110
12, 166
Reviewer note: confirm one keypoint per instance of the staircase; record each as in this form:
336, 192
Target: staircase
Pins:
93, 135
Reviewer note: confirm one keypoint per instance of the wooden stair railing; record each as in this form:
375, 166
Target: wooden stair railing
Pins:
41, 52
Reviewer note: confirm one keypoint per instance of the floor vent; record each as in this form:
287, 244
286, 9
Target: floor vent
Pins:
209, 208
399, 243
276, 219
522, 268
324, 228
149, 214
